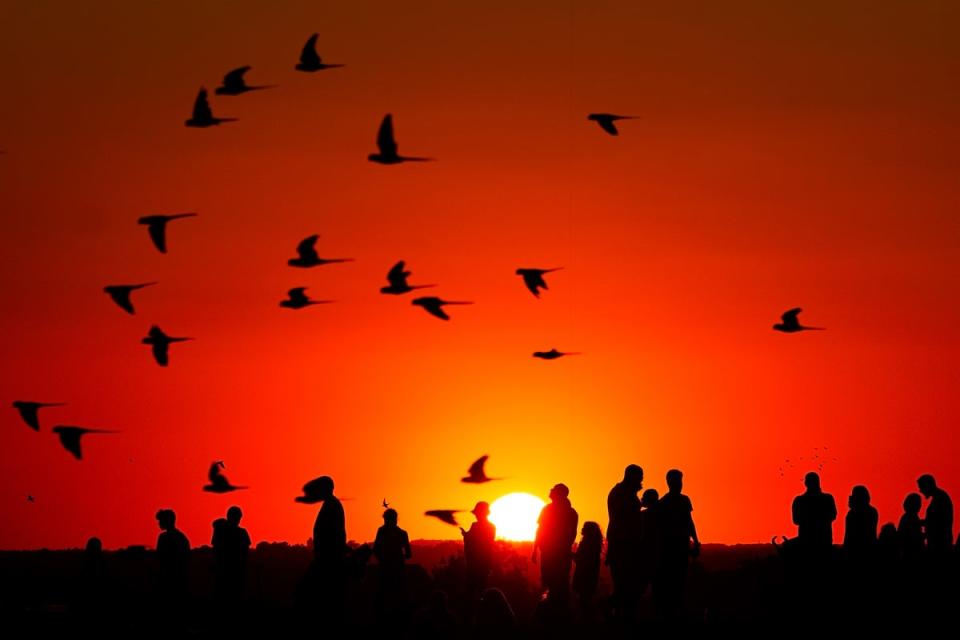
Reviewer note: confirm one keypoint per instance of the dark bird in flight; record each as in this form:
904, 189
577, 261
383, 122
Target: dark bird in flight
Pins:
120, 293
29, 411
397, 277
307, 255
553, 354
315, 491
434, 306
533, 279
791, 324
218, 481
310, 61
388, 146
157, 226
234, 84
297, 299
30, 498
444, 515
607, 120
202, 115
386, 505
70, 437
477, 475
160, 344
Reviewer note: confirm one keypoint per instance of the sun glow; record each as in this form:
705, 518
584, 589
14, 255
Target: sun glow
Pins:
515, 516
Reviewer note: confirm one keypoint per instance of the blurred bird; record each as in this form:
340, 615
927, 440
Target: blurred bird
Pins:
157, 227
444, 515
310, 61
533, 279
29, 411
307, 255
70, 437
388, 146
160, 343
606, 121
234, 84
397, 277
386, 505
477, 475
120, 293
791, 324
30, 498
202, 115
218, 481
553, 354
434, 306
316, 490
297, 299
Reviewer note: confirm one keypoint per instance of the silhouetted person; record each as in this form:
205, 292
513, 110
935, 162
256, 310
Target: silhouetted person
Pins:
651, 541
674, 513
814, 512
556, 533
938, 519
860, 526
887, 544
392, 549
623, 539
329, 548
173, 557
586, 575
92, 593
479, 549
910, 530
231, 550
494, 615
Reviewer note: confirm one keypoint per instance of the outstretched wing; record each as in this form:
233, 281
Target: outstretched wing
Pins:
70, 439
234, 79
607, 125
397, 276
476, 469
121, 296
385, 140
307, 247
214, 473
790, 317
201, 107
158, 233
298, 296
309, 55
161, 351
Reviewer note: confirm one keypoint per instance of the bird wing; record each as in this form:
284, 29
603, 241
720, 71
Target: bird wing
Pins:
790, 317
443, 515
70, 439
476, 469
121, 296
298, 296
607, 125
234, 79
161, 350
397, 276
436, 310
309, 55
530, 279
385, 140
214, 473
158, 233
29, 413
307, 247
201, 107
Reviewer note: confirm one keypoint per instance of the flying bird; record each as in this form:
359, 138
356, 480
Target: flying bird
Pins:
607, 120
386, 505
434, 306
234, 84
157, 227
70, 437
533, 279
310, 61
444, 515
388, 146
553, 354
218, 481
160, 344
397, 277
202, 115
313, 490
120, 293
307, 255
297, 299
791, 324
30, 498
29, 411
477, 475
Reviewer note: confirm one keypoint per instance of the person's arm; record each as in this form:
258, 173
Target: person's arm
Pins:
407, 550
795, 509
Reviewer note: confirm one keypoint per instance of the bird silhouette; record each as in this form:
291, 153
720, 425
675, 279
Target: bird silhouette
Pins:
434, 306
160, 344
307, 255
533, 279
386, 505
607, 120
70, 437
29, 411
397, 277
202, 115
30, 498
312, 491
388, 146
310, 61
476, 473
297, 299
791, 324
157, 227
444, 515
234, 84
553, 354
218, 481
120, 293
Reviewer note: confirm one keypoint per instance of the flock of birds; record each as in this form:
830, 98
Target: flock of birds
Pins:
234, 84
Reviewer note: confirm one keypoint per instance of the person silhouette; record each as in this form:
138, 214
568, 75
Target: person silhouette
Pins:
814, 512
173, 558
860, 527
231, 549
392, 549
624, 531
329, 550
556, 533
92, 594
651, 542
938, 519
586, 575
479, 549
910, 531
674, 513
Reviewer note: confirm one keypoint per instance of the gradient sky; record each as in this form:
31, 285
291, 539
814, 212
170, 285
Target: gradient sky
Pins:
802, 155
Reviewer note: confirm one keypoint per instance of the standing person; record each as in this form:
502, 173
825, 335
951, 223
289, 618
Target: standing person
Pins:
231, 550
478, 549
651, 541
623, 538
329, 550
675, 515
392, 549
173, 558
556, 533
938, 519
860, 527
586, 576
814, 512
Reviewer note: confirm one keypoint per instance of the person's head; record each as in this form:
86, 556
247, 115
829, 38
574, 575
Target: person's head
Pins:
926, 484
812, 481
481, 510
675, 480
859, 497
390, 516
591, 531
888, 534
559, 492
167, 519
649, 498
94, 546
234, 515
912, 503
633, 476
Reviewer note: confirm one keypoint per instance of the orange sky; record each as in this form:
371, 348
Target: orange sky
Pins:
802, 156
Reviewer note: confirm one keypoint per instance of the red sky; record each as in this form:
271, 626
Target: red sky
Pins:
784, 156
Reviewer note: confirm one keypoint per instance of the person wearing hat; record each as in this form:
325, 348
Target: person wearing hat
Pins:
478, 548
556, 533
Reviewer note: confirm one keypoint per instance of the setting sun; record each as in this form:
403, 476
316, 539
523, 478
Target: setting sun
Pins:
515, 516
